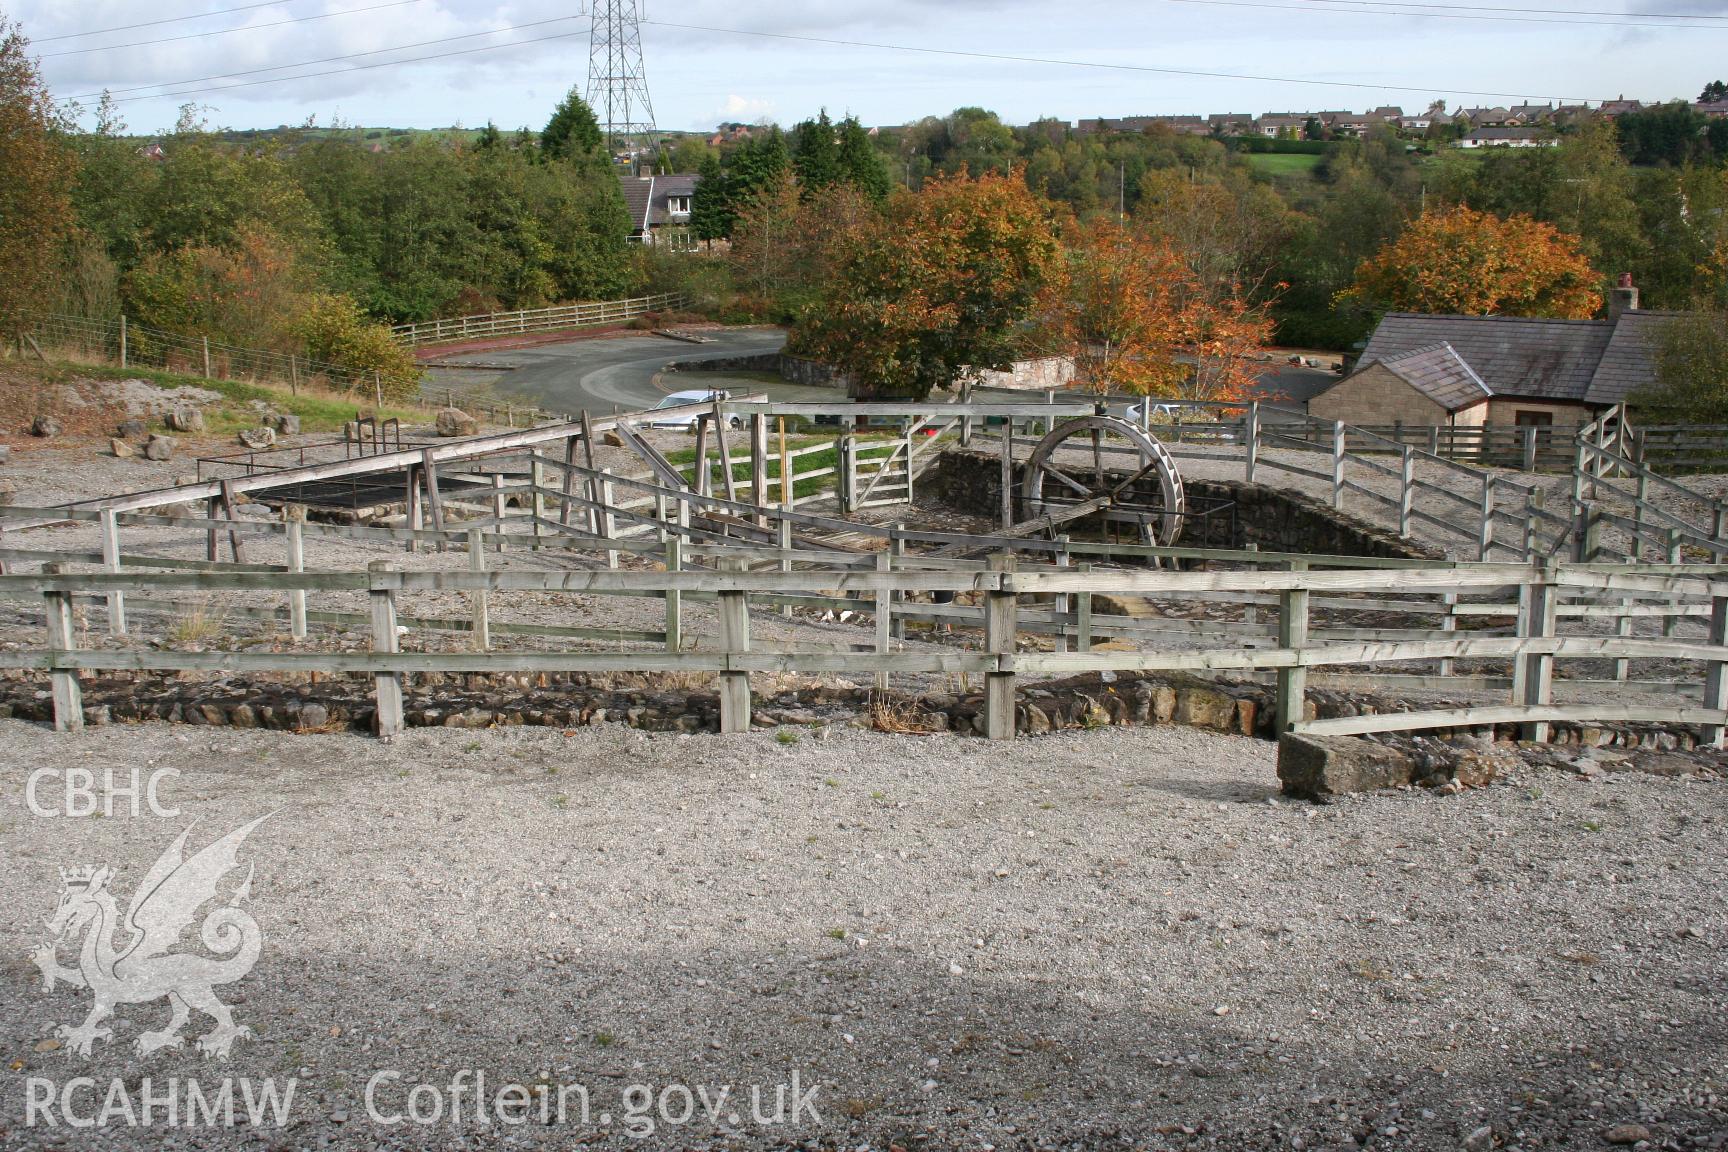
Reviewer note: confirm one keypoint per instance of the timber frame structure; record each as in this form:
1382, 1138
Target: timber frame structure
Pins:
1295, 618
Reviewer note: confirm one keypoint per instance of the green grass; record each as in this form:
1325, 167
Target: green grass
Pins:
318, 412
1283, 165
684, 459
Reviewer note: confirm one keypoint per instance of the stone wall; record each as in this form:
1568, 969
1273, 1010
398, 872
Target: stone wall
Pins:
1041, 375
796, 369
1271, 519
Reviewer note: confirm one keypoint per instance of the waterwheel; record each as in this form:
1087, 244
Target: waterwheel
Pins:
1110, 463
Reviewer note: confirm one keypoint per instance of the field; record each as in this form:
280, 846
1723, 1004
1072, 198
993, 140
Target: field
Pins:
1283, 166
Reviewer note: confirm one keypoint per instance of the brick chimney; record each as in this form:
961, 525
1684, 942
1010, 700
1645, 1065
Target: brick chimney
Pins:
1624, 297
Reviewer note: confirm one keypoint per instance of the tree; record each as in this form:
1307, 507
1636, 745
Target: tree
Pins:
35, 202
1691, 370
1136, 318
860, 164
573, 132
709, 216
816, 155
942, 284
1713, 91
1476, 264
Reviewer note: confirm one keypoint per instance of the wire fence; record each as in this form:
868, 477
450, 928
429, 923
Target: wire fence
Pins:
137, 346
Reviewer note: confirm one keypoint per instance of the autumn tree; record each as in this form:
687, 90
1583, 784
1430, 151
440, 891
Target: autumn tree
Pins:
35, 202
573, 132
1138, 318
1476, 264
941, 284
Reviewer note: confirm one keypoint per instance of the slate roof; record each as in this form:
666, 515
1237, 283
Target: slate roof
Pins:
645, 197
1440, 374
1582, 361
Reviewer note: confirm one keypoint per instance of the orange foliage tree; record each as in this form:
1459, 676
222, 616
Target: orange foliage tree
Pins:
36, 175
1137, 318
943, 282
1474, 263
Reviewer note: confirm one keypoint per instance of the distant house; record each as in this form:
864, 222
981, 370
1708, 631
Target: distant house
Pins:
1474, 370
1620, 107
1715, 109
1387, 114
1232, 123
1530, 114
1416, 122
659, 208
1274, 125
1508, 138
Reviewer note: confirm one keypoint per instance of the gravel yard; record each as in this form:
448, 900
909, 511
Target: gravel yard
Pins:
1107, 939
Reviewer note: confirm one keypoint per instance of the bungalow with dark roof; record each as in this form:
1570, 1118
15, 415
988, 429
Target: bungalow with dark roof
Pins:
1473, 370
659, 208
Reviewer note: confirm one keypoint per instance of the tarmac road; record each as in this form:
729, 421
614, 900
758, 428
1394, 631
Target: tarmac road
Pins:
613, 372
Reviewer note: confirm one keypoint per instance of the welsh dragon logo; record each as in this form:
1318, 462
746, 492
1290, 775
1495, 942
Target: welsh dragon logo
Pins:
142, 969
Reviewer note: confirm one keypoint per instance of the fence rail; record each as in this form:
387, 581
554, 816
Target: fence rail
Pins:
1002, 594
493, 324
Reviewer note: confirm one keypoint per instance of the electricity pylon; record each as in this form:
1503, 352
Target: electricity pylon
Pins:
617, 81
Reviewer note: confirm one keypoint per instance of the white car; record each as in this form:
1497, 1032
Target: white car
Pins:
682, 400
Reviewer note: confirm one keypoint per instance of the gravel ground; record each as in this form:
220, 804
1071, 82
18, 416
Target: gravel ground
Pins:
1111, 939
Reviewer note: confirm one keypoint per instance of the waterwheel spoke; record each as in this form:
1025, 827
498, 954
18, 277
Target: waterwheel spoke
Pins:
1052, 470
1152, 466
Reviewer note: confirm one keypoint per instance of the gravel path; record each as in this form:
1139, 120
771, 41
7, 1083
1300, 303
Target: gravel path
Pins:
1110, 939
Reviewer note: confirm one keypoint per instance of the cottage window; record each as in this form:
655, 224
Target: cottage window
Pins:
1525, 418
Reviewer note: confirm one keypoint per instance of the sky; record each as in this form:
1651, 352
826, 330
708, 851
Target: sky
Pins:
709, 61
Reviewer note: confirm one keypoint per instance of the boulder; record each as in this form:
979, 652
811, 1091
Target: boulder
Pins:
130, 429
612, 439
45, 426
1206, 708
258, 438
1320, 767
121, 449
455, 422
159, 448
185, 419
8, 493
285, 424
5, 453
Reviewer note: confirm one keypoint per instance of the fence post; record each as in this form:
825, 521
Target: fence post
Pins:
1001, 609
68, 693
734, 639
784, 529
759, 465
674, 597
296, 563
207, 375
123, 340
1250, 435
884, 616
387, 686
293, 376
1673, 556
897, 549
608, 522
1530, 448
1716, 678
1292, 634
788, 483
1338, 464
1532, 504
415, 514
1083, 612
1537, 622
1007, 473
1433, 439
1485, 541
966, 420
536, 481
498, 505
1060, 644
1406, 489
111, 561
1586, 529
481, 598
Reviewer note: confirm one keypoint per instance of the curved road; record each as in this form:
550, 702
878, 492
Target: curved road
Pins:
613, 372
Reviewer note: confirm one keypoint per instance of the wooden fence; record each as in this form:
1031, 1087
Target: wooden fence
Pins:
999, 609
493, 324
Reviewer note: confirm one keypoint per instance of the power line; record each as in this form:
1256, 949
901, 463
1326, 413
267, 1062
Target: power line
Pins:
154, 23
1311, 6
227, 31
329, 59
1102, 66
364, 67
